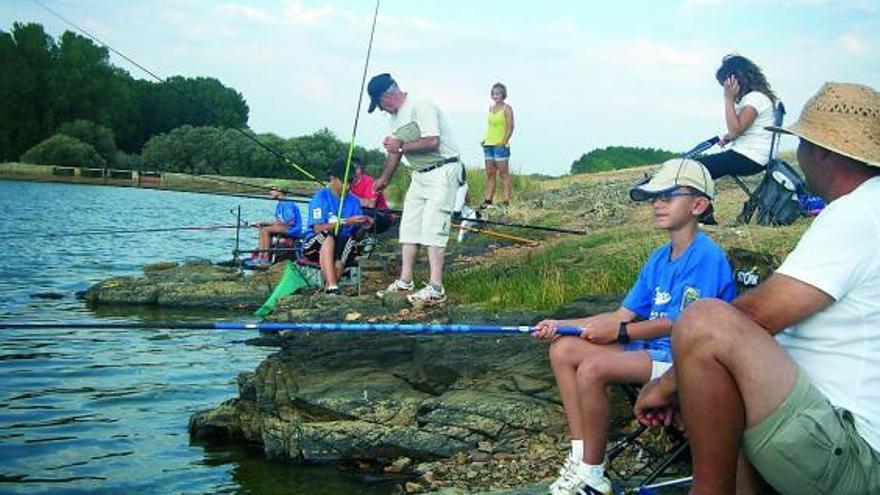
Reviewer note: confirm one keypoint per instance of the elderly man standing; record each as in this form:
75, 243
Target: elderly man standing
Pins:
790, 371
419, 132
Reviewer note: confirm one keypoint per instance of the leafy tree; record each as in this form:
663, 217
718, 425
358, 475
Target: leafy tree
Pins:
617, 157
100, 137
43, 84
25, 62
64, 151
212, 150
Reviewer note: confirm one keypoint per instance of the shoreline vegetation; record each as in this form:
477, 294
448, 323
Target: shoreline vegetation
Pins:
460, 416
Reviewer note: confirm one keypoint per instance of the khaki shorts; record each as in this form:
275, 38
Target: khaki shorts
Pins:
427, 207
807, 447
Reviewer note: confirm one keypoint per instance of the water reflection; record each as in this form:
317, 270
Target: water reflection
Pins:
86, 411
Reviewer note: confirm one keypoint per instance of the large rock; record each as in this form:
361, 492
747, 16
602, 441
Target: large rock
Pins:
333, 396
196, 283
356, 396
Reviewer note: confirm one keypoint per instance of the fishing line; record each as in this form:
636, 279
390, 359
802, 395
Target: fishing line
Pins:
186, 95
357, 115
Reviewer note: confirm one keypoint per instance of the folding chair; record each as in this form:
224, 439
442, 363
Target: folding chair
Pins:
749, 206
654, 461
351, 272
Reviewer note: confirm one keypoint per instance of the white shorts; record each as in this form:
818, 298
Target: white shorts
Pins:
427, 207
658, 368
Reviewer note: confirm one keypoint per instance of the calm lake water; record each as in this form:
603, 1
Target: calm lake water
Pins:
92, 411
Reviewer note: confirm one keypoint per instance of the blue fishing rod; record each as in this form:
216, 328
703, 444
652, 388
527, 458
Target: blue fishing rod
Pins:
408, 328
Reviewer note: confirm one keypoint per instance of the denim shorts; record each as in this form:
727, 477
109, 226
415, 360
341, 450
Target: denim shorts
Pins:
496, 153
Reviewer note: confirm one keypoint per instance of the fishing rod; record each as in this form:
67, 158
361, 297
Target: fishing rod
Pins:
501, 224
491, 233
284, 159
293, 198
411, 328
528, 226
357, 114
235, 182
124, 231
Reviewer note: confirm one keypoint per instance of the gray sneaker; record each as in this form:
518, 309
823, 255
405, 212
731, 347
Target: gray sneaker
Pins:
397, 287
427, 296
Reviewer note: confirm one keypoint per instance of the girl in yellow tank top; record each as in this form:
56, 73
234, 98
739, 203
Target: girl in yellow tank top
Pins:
496, 145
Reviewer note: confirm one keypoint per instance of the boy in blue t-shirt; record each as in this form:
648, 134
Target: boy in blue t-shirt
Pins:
631, 344
287, 222
332, 249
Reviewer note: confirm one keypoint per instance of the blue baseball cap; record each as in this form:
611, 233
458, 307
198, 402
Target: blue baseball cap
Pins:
377, 86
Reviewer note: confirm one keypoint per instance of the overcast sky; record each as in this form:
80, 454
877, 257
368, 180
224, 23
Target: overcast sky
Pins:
580, 75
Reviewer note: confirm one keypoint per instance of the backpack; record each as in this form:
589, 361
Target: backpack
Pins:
777, 195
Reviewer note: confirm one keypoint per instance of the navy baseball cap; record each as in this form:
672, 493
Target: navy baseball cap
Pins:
377, 86
337, 169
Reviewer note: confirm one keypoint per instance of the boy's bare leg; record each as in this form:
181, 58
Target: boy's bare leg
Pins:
594, 376
566, 354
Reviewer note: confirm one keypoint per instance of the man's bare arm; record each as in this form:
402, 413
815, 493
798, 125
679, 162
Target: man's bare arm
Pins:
781, 301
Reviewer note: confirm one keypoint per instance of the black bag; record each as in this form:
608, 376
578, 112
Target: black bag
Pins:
777, 197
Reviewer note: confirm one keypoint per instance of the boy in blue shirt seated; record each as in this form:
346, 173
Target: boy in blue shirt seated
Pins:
287, 222
324, 244
631, 344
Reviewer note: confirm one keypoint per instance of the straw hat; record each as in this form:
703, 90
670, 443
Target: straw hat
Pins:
844, 118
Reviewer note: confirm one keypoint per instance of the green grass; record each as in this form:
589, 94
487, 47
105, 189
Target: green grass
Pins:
603, 263
522, 185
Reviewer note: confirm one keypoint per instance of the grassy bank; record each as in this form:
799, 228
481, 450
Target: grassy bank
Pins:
620, 237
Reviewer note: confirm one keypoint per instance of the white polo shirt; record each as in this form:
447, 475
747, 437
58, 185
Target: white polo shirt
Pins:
418, 118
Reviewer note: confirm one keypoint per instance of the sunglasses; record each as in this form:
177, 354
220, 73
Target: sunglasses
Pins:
666, 197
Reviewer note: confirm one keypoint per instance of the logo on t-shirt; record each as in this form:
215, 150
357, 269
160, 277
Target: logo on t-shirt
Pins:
661, 297
316, 214
689, 295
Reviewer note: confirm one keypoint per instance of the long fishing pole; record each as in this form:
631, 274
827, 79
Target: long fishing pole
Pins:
414, 328
357, 114
186, 95
505, 224
528, 226
122, 231
492, 233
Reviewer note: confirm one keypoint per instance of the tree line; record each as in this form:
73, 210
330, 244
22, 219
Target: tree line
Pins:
617, 157
65, 103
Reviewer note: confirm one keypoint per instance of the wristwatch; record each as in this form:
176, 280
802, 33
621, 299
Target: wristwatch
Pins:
622, 335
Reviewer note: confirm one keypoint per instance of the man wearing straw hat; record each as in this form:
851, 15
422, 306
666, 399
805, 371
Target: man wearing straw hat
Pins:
790, 371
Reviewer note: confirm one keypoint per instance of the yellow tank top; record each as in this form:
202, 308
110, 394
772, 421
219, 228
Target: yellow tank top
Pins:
496, 129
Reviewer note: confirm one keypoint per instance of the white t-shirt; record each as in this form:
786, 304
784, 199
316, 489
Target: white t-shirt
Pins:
754, 143
839, 347
421, 118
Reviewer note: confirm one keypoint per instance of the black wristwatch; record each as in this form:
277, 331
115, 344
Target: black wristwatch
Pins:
622, 335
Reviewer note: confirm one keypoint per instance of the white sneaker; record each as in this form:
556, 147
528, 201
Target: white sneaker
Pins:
396, 287
567, 476
595, 486
428, 296
574, 480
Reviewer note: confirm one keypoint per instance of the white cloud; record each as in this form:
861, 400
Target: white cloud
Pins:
852, 44
315, 87
296, 13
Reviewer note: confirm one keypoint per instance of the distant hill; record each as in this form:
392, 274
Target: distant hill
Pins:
617, 157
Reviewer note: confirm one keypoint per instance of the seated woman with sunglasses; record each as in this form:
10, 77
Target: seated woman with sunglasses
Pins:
631, 344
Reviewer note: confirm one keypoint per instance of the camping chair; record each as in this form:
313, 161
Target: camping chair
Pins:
751, 203
654, 461
351, 272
